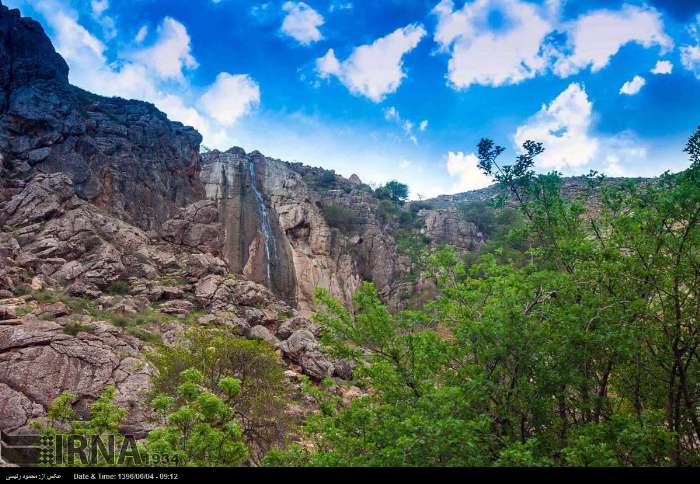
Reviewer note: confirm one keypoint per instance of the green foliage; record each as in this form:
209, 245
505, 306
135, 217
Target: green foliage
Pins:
394, 191
581, 352
103, 422
493, 222
339, 217
74, 328
244, 373
200, 425
118, 287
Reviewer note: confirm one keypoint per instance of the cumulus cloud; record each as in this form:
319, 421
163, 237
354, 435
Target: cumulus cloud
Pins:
504, 42
622, 151
423, 125
662, 67
631, 88
595, 38
487, 54
373, 70
302, 22
230, 97
465, 168
171, 53
563, 126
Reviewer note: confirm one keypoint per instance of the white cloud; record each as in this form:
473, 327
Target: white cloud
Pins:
302, 23
564, 128
662, 67
141, 34
407, 126
690, 59
171, 54
595, 38
99, 6
230, 97
504, 42
391, 114
465, 168
631, 88
147, 73
623, 151
374, 70
481, 53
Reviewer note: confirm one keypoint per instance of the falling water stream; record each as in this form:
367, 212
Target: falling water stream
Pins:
265, 219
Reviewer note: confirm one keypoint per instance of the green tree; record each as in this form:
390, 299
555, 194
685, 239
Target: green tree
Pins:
260, 406
395, 191
199, 426
583, 353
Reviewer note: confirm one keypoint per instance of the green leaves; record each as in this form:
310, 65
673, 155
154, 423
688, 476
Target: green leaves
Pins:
582, 351
201, 428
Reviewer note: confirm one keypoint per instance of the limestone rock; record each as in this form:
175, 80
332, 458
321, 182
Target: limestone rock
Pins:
302, 348
38, 361
124, 156
262, 333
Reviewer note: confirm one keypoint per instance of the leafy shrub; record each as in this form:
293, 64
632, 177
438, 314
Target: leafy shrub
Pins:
199, 424
339, 217
263, 397
118, 287
74, 328
395, 191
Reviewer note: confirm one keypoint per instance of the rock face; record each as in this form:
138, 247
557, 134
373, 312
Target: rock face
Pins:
304, 251
50, 239
123, 156
38, 361
253, 240
447, 226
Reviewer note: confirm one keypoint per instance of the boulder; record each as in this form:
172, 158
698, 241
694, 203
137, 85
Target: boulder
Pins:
302, 348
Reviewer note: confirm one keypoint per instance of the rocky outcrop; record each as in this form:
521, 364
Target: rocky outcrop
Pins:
448, 226
253, 240
38, 361
69, 241
305, 251
51, 240
123, 156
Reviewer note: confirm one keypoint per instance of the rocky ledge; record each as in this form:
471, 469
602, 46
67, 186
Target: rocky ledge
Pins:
83, 295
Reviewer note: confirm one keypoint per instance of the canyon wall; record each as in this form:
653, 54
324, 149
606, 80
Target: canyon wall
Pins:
123, 156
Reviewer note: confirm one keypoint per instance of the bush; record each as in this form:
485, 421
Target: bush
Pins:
395, 191
263, 397
199, 424
118, 287
339, 217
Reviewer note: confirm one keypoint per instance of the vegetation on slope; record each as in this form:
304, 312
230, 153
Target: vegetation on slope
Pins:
578, 349
585, 355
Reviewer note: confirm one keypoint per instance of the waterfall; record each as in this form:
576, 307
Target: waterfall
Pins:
264, 219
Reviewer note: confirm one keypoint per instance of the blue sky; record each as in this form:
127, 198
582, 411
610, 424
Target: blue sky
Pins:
401, 89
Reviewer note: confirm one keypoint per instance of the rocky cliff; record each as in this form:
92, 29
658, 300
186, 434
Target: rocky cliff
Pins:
123, 156
108, 244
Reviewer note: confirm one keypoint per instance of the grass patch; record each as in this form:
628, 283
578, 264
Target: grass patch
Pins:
74, 328
120, 288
